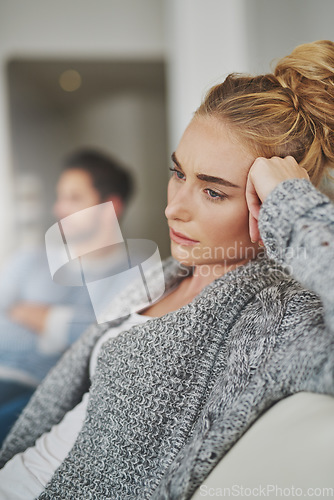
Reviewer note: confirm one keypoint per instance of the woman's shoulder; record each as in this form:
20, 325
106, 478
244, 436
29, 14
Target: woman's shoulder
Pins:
293, 310
267, 287
288, 290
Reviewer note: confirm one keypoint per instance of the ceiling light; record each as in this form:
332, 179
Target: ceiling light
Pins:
70, 80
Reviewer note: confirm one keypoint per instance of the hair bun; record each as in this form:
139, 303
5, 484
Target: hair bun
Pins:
292, 95
313, 61
308, 75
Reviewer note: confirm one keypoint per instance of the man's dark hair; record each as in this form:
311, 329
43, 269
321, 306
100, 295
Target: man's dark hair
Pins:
108, 175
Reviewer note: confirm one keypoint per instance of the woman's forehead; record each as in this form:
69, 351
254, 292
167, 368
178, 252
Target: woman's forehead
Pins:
208, 147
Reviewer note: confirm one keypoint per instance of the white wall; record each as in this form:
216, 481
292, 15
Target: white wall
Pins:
207, 39
276, 27
81, 27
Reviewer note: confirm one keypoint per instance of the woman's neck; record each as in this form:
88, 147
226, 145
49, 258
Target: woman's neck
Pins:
205, 274
202, 276
188, 288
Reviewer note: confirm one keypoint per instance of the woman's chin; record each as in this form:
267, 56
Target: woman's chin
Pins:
182, 256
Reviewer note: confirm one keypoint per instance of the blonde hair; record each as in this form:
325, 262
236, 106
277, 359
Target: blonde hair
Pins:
287, 112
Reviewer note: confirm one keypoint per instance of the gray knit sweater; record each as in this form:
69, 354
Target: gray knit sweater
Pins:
170, 397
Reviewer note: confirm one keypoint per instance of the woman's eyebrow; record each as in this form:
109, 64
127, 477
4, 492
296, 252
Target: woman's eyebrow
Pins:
175, 160
216, 180
208, 178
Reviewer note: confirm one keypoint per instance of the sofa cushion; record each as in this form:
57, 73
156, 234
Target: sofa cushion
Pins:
287, 452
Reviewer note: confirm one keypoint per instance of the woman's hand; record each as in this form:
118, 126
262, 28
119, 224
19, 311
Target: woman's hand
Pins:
264, 175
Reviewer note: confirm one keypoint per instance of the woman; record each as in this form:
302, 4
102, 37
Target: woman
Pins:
234, 332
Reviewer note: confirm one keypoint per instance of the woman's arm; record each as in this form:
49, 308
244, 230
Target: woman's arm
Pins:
264, 175
296, 224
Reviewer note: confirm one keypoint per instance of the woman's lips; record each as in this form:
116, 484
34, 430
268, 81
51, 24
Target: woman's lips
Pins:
180, 238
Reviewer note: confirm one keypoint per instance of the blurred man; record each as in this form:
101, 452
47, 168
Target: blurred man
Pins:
39, 318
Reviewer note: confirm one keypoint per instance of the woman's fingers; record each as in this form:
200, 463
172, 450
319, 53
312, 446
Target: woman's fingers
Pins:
267, 173
254, 232
254, 205
252, 198
264, 175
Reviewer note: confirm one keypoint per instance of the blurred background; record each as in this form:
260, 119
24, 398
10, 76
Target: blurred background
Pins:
123, 76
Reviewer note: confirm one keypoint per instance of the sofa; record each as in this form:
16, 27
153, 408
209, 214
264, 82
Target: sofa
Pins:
287, 453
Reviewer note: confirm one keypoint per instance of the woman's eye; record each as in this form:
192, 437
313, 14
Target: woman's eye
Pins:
213, 195
177, 173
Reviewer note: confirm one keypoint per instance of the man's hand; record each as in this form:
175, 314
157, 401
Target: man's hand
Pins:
32, 316
264, 175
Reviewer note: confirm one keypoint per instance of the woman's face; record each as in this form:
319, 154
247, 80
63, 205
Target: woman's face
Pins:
207, 211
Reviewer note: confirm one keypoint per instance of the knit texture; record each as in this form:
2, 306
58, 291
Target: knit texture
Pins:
169, 398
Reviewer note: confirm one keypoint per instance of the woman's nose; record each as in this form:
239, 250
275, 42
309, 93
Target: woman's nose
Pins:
179, 204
